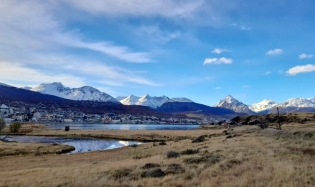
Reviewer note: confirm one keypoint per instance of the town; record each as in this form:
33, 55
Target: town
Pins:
44, 114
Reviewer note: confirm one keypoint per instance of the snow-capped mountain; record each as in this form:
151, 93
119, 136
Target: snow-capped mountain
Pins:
230, 103
85, 93
27, 88
297, 102
263, 106
130, 100
295, 105
312, 99
2, 84
147, 100
180, 99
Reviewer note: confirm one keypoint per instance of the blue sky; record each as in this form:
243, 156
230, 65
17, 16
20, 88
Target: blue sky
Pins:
199, 49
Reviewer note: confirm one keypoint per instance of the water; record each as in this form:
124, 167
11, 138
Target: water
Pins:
80, 144
122, 126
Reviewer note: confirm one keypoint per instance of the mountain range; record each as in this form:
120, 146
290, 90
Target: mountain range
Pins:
149, 101
85, 93
166, 104
268, 106
22, 97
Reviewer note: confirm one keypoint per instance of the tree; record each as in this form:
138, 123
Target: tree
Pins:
2, 124
15, 127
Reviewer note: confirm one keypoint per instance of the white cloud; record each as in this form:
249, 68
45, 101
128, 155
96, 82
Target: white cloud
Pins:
12, 72
268, 72
275, 52
42, 42
245, 86
156, 34
306, 56
164, 8
301, 69
41, 29
222, 60
219, 51
218, 88
246, 28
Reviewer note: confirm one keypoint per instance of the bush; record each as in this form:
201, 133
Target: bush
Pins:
120, 173
190, 152
199, 139
172, 154
175, 169
154, 173
162, 143
150, 165
15, 127
2, 124
67, 128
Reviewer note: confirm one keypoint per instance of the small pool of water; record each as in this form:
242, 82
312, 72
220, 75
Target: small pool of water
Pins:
81, 144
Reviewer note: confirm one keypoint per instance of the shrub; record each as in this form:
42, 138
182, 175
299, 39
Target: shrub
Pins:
67, 128
175, 169
150, 165
199, 139
154, 173
195, 160
190, 152
2, 124
162, 143
172, 154
120, 173
15, 127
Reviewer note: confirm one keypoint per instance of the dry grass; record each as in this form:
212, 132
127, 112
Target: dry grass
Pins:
253, 157
19, 149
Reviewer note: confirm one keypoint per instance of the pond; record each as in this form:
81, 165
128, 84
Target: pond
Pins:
80, 144
122, 126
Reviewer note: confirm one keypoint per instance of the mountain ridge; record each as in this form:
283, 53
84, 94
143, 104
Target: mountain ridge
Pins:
84, 93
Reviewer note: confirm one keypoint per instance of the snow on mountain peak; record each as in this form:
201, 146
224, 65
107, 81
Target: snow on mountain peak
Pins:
264, 105
233, 104
83, 93
130, 100
312, 99
180, 99
297, 102
2, 84
229, 99
150, 101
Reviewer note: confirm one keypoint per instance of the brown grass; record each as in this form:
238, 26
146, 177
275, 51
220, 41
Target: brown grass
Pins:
253, 157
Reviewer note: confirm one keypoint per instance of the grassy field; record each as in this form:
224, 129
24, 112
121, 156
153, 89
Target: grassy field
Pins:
240, 156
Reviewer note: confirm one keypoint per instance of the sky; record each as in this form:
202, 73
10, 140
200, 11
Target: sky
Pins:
199, 49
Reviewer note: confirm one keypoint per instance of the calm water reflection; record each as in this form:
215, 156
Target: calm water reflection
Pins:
80, 144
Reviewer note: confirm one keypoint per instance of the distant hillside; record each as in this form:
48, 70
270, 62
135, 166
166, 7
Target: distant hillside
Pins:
11, 92
178, 107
